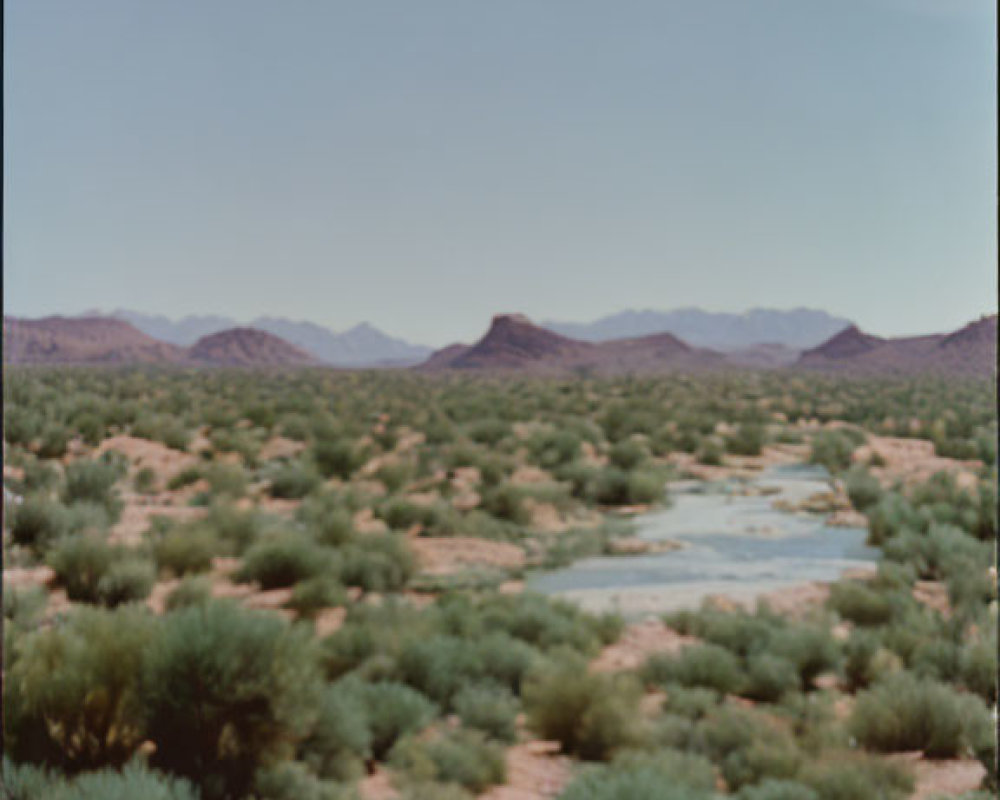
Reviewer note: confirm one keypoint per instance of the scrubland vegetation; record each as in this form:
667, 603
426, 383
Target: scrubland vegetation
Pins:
269, 631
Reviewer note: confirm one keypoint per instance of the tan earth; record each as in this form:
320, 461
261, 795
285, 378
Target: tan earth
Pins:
366, 522
949, 778
912, 461
445, 555
535, 771
639, 641
141, 453
280, 447
138, 512
934, 595
377, 786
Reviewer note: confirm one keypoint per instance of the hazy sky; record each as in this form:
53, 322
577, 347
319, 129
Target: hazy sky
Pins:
422, 165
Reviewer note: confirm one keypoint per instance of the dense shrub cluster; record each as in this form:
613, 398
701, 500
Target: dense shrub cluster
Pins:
242, 704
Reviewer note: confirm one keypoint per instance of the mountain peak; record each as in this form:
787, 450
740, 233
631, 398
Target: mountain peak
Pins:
247, 347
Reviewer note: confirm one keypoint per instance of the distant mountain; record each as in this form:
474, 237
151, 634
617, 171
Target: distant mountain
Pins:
362, 345
104, 341
968, 351
797, 328
82, 340
514, 343
183, 332
247, 347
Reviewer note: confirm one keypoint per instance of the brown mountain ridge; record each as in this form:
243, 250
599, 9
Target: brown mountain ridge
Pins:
968, 351
514, 343
104, 341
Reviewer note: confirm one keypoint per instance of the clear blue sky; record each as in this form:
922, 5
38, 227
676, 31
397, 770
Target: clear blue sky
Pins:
423, 164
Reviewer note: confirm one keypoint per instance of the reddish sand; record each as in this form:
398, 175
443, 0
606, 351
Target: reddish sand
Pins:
637, 643
912, 461
948, 778
535, 771
445, 555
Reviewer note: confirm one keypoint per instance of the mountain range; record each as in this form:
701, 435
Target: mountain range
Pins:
511, 344
795, 329
514, 343
104, 341
360, 346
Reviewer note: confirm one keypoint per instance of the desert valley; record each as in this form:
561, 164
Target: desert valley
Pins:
536, 566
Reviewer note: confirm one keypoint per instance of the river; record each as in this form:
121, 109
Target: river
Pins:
732, 543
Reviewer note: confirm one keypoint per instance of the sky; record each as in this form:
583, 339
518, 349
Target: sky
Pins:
423, 166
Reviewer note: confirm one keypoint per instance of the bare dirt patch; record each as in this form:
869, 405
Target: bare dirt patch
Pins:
280, 447
637, 643
911, 461
142, 453
942, 777
535, 771
445, 555
138, 513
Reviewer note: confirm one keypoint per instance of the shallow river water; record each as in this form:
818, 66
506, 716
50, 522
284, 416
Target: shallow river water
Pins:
735, 545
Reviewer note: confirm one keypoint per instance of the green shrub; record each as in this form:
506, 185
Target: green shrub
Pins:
666, 775
646, 486
71, 698
144, 481
23, 607
866, 661
747, 441
462, 756
38, 521
904, 712
227, 690
186, 549
812, 650
710, 451
393, 710
627, 454
689, 702
706, 665
378, 563
190, 592
291, 780
506, 501
26, 781
79, 563
395, 476
292, 481
590, 714
610, 487
185, 477
340, 740
747, 746
133, 781
978, 667
226, 479
126, 580
939, 659
777, 790
92, 481
863, 489
338, 458
489, 708
832, 449
858, 777
54, 441
283, 561
768, 677
859, 604
328, 518
314, 594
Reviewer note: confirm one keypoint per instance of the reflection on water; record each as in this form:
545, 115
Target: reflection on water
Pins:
733, 544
